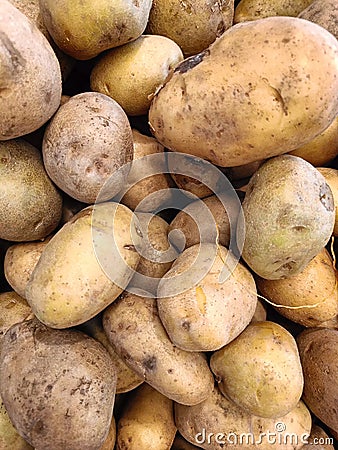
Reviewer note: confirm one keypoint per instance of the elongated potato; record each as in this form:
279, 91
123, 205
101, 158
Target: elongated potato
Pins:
85, 266
236, 103
135, 330
147, 421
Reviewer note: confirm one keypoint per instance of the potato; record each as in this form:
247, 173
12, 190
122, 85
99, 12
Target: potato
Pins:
30, 205
157, 254
109, 443
83, 29
237, 103
30, 77
85, 266
20, 261
331, 177
324, 13
318, 351
31, 9
258, 9
147, 421
218, 423
289, 217
315, 285
194, 222
193, 25
126, 379
135, 330
73, 380
9, 437
318, 440
260, 370
260, 313
132, 73
210, 312
13, 309
88, 140
149, 185
323, 148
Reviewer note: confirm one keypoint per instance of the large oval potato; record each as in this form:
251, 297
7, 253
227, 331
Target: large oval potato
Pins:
236, 103
289, 217
211, 312
83, 28
260, 370
30, 205
318, 349
85, 266
86, 143
30, 77
73, 380
135, 330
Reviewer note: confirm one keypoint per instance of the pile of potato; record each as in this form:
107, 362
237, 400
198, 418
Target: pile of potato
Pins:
168, 208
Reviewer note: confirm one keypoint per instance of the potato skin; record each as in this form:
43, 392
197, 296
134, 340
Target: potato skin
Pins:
68, 286
30, 205
316, 284
147, 421
331, 177
289, 217
254, 10
84, 29
323, 13
249, 105
88, 140
135, 330
318, 349
9, 437
13, 309
70, 374
30, 77
210, 313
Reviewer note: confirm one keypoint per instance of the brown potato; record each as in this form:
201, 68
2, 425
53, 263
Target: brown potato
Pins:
260, 370
30, 205
30, 77
134, 328
88, 140
258, 9
315, 285
324, 13
318, 349
147, 421
331, 177
73, 380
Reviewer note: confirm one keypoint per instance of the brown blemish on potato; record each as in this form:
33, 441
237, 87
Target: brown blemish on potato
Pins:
150, 363
325, 197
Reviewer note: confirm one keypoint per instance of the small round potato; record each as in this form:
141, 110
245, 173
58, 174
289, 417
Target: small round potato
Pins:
260, 370
30, 205
131, 74
88, 140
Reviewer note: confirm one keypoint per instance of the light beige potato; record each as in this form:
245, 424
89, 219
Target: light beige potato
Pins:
30, 205
148, 181
13, 309
218, 424
135, 330
9, 437
83, 29
85, 146
109, 443
323, 148
259, 9
126, 378
319, 440
72, 379
237, 103
323, 13
194, 222
30, 77
193, 25
147, 421
20, 261
85, 266
260, 370
318, 349
331, 177
315, 285
289, 217
132, 73
211, 312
